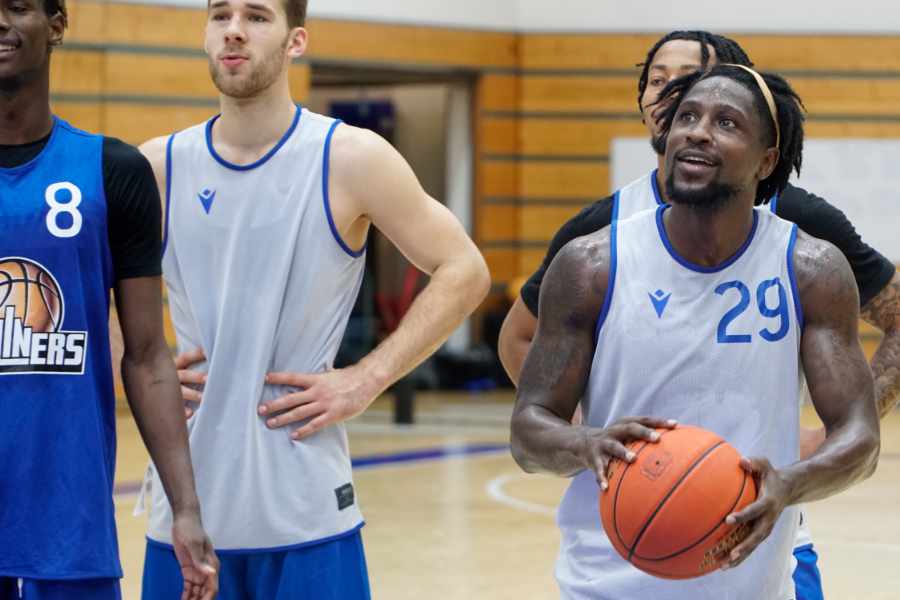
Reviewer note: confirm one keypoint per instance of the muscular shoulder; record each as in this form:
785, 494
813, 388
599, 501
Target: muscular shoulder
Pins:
824, 278
354, 149
578, 277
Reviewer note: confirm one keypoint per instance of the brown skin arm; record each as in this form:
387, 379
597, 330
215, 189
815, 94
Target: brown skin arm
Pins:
841, 387
516, 336
154, 395
556, 371
883, 311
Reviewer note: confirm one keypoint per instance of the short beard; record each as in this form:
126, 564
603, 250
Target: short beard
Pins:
259, 79
710, 198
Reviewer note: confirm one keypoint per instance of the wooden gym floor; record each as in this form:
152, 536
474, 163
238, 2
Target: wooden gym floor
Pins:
449, 514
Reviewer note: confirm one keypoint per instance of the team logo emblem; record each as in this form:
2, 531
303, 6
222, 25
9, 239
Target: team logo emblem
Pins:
660, 299
31, 316
206, 199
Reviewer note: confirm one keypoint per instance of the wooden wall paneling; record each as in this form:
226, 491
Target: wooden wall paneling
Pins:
498, 135
410, 45
83, 115
539, 179
497, 92
576, 137
579, 93
136, 123
158, 75
539, 223
584, 51
77, 72
498, 222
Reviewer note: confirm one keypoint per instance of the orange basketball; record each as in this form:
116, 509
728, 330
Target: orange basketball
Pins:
32, 293
665, 512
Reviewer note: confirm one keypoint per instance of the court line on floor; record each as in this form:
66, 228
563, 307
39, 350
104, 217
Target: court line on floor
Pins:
373, 461
494, 489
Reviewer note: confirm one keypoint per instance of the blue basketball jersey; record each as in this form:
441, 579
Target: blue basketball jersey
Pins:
57, 406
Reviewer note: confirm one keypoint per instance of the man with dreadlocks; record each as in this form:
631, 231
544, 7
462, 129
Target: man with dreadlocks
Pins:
79, 216
698, 350
676, 54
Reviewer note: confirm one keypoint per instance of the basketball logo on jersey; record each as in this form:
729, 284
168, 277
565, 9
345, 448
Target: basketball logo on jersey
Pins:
31, 314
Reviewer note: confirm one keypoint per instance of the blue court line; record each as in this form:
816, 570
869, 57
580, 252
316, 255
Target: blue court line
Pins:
372, 461
439, 453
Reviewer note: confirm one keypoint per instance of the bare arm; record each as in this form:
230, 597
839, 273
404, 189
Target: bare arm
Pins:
516, 336
151, 385
557, 367
883, 311
839, 379
840, 384
370, 182
367, 173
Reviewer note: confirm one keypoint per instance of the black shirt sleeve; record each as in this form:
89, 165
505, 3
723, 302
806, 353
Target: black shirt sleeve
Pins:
818, 218
591, 218
134, 214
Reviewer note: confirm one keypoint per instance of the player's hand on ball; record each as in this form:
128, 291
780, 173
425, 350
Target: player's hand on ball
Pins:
192, 382
195, 554
605, 444
761, 515
322, 399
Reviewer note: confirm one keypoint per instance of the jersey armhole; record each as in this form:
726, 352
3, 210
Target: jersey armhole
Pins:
798, 306
327, 201
613, 247
165, 242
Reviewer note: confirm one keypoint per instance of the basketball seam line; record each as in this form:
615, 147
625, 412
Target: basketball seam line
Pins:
671, 491
709, 533
616, 499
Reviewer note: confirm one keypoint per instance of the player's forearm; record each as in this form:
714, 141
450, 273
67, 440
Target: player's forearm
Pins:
886, 371
151, 384
512, 348
542, 442
455, 290
848, 456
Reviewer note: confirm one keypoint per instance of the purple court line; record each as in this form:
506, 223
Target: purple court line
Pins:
377, 460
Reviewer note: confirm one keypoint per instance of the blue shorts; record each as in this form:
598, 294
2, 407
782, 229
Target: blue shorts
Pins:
807, 579
45, 589
331, 570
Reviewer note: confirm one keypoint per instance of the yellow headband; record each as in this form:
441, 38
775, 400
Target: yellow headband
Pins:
767, 94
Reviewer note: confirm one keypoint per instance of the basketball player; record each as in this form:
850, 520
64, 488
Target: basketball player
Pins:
268, 209
79, 216
701, 312
676, 54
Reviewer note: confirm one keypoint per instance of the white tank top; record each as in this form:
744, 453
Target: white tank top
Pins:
260, 280
643, 194
712, 347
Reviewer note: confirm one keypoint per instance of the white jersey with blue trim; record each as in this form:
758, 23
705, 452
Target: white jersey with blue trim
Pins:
716, 348
639, 195
258, 278
643, 194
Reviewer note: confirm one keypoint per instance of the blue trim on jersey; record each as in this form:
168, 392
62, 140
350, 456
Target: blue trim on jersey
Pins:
660, 226
611, 284
790, 265
331, 225
655, 185
324, 540
168, 191
268, 155
773, 204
